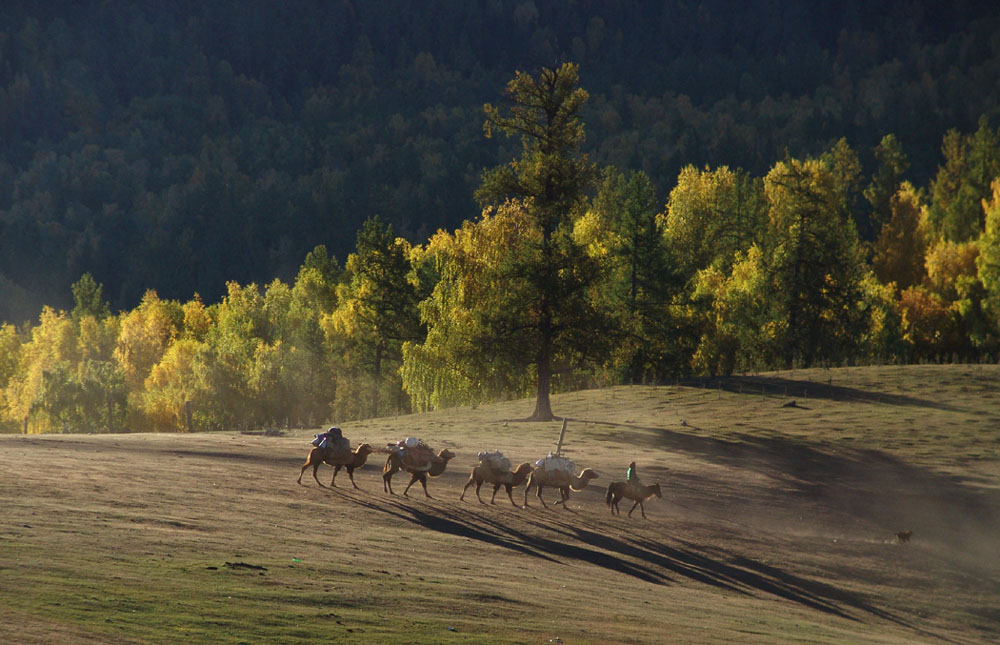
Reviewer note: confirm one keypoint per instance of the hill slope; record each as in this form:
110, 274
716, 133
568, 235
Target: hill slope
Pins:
778, 523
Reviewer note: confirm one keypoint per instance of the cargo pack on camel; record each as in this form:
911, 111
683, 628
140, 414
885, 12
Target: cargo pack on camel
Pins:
416, 458
333, 448
494, 468
557, 471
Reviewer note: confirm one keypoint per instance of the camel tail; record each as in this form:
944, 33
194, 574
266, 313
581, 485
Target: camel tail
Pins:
607, 500
388, 464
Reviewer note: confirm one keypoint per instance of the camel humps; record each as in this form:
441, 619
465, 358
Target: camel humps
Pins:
487, 472
558, 473
338, 459
419, 470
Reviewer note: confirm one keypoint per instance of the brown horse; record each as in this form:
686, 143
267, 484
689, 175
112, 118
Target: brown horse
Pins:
338, 459
394, 463
507, 479
622, 490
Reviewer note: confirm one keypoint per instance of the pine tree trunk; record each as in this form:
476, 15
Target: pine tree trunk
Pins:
543, 407
377, 380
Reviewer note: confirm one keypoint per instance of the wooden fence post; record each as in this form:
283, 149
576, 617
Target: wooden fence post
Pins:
562, 434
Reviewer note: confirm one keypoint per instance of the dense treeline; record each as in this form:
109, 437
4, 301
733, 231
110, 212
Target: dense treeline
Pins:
573, 274
177, 146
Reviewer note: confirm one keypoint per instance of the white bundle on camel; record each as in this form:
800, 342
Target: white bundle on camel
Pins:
416, 454
495, 461
554, 463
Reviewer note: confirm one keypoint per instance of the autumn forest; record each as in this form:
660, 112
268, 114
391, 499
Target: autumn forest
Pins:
248, 215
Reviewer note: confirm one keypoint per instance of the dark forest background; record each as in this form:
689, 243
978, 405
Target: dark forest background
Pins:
176, 146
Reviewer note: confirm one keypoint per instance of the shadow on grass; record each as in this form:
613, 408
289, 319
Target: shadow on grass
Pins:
545, 534
473, 526
866, 484
797, 389
872, 486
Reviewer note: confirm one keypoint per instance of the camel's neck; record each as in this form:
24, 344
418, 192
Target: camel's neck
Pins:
437, 467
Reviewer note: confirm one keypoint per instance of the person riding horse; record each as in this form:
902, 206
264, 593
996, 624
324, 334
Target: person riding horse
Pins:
632, 477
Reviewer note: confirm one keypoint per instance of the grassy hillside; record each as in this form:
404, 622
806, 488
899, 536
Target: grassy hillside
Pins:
777, 523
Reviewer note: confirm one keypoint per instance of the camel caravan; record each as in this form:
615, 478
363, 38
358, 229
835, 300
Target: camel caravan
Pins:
417, 459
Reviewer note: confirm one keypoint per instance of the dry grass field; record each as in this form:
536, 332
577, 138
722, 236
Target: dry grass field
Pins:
778, 523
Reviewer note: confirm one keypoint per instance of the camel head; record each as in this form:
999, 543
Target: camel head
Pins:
588, 474
364, 449
446, 455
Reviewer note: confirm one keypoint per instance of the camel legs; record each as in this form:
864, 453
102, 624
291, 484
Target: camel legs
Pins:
302, 472
312, 460
306, 465
496, 487
336, 469
387, 481
350, 474
477, 482
509, 488
538, 493
315, 467
564, 497
423, 482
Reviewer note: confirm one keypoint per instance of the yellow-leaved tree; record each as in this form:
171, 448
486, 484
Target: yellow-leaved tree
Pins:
173, 385
901, 245
10, 359
476, 312
376, 314
988, 261
144, 335
40, 390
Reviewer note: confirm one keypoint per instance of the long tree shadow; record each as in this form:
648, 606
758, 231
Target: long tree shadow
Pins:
874, 487
544, 535
738, 573
868, 485
793, 388
469, 525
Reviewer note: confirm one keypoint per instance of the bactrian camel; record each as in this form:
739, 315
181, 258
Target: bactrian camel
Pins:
338, 459
564, 481
508, 479
622, 490
394, 463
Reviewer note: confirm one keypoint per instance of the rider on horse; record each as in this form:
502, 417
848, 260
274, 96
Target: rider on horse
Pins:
632, 477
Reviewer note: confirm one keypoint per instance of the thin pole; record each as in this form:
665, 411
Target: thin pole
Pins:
562, 433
